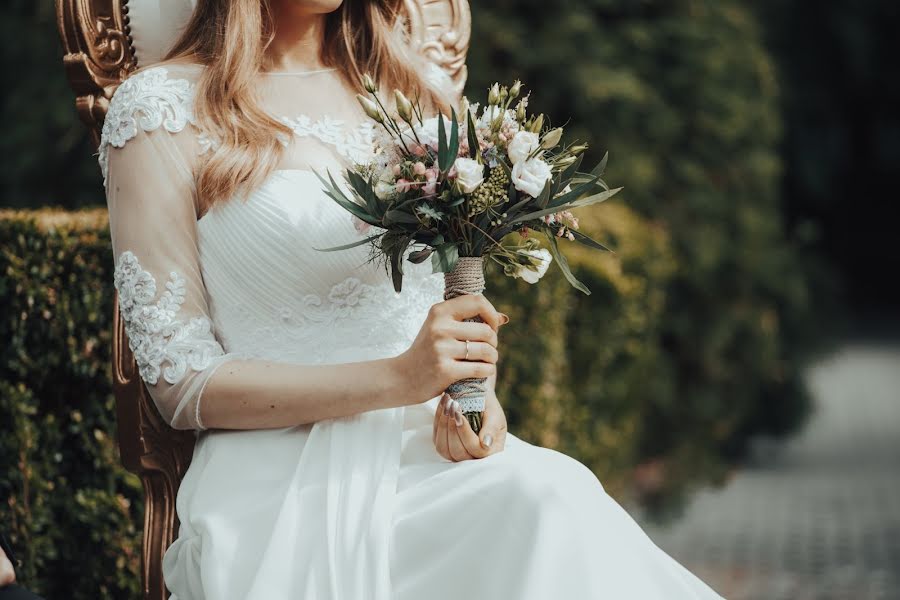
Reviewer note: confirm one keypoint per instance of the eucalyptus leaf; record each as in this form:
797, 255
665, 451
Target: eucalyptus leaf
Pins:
444, 257
443, 149
587, 201
474, 146
419, 256
351, 244
564, 265
587, 241
454, 138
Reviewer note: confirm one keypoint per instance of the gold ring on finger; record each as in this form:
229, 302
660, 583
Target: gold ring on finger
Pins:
466, 357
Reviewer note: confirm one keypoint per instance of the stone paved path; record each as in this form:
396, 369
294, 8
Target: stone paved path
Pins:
816, 517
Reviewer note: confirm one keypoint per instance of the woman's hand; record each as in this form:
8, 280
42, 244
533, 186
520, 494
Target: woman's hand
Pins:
453, 436
438, 356
7, 573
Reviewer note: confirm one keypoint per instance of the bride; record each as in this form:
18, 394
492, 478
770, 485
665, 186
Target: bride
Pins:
328, 464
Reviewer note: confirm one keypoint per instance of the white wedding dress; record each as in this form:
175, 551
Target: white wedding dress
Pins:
356, 508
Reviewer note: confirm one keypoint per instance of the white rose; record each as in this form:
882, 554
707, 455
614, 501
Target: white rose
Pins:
469, 174
522, 144
529, 176
542, 258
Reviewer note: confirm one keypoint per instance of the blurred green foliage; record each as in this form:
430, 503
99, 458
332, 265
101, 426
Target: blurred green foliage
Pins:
684, 95
45, 148
70, 510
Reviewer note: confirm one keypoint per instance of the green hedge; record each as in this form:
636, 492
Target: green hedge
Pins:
72, 513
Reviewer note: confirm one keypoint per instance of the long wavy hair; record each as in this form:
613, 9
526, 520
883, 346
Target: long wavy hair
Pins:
230, 38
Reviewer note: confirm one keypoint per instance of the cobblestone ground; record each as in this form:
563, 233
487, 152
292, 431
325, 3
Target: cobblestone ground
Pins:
816, 517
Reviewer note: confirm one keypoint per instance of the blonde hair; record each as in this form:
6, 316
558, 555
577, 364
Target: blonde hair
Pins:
230, 38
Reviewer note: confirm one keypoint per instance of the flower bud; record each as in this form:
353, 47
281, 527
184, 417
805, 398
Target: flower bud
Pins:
566, 161
538, 124
463, 107
369, 84
494, 94
520, 112
515, 90
552, 138
504, 94
576, 150
370, 108
404, 106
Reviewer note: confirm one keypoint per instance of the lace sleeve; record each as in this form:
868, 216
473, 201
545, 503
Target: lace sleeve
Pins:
147, 152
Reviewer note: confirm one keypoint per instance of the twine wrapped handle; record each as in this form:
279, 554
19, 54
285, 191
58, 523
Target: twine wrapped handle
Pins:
467, 277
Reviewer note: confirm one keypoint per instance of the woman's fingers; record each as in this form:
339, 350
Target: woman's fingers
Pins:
480, 351
456, 423
473, 331
440, 436
470, 305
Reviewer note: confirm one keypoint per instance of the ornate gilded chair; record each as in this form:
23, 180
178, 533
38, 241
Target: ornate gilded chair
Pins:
104, 40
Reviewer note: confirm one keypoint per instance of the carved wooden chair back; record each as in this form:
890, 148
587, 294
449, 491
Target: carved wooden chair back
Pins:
104, 41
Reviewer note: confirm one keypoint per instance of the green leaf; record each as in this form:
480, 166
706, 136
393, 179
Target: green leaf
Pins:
335, 193
474, 147
587, 241
601, 166
444, 257
567, 174
587, 201
443, 150
351, 244
397, 264
419, 255
399, 216
564, 265
454, 138
544, 197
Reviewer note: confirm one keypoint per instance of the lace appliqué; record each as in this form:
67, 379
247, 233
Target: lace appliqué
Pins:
147, 101
355, 144
161, 343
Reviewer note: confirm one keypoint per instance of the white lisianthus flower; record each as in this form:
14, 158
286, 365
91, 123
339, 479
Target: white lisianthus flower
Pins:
469, 174
530, 176
522, 144
541, 260
490, 114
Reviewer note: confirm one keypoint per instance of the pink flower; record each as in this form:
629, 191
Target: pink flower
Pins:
430, 187
360, 225
419, 168
431, 174
396, 170
417, 149
402, 185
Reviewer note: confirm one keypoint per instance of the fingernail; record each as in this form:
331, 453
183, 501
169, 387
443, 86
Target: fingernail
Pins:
458, 416
487, 441
447, 406
504, 318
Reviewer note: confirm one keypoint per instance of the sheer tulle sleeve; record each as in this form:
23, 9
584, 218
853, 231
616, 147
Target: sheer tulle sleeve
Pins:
147, 152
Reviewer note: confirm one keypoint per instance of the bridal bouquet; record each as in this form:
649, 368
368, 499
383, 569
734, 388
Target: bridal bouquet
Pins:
490, 182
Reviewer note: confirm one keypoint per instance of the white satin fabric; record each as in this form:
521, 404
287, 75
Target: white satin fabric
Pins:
355, 508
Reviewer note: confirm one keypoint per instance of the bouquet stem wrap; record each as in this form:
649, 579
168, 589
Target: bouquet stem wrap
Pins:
467, 277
